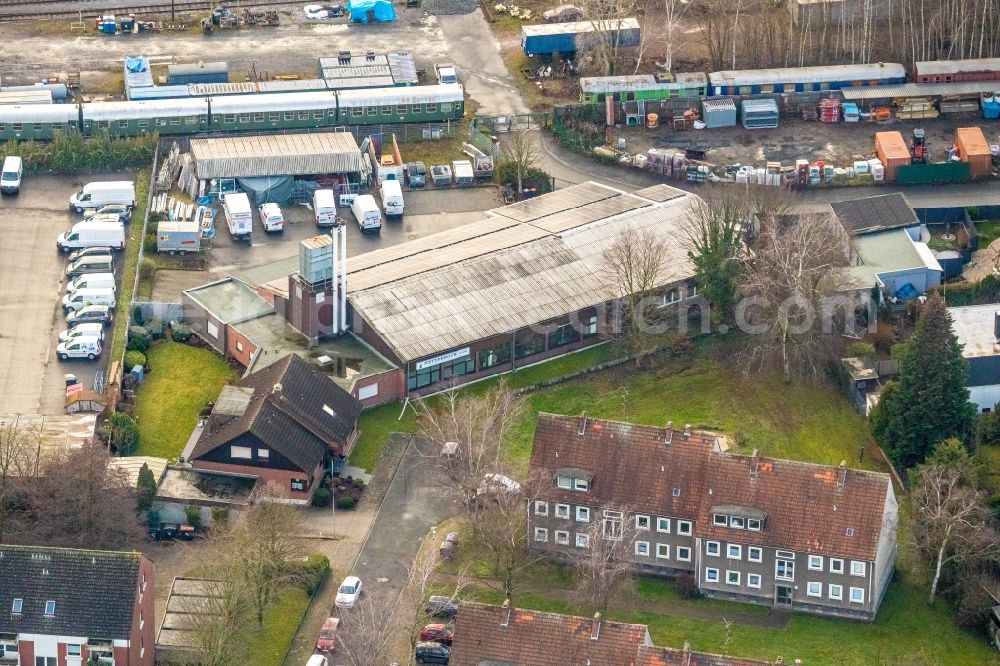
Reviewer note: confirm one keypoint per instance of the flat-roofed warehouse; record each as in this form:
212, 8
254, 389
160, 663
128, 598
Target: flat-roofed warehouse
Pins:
268, 165
520, 286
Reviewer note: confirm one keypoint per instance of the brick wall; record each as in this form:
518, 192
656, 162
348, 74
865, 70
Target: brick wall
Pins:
391, 388
281, 477
143, 634
239, 346
26, 651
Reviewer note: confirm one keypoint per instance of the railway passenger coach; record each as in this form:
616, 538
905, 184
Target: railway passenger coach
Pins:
804, 79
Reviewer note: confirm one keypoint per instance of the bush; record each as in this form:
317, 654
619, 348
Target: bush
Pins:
861, 350
122, 433
358, 483
346, 502
687, 587
321, 497
138, 318
134, 358
147, 269
220, 515
533, 178
149, 244
138, 339
155, 328
192, 514
146, 486
153, 517
180, 332
883, 337
312, 572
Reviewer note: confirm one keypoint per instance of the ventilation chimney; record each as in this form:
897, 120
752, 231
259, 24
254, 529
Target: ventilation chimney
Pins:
276, 389
596, 632
686, 654
505, 613
996, 324
842, 474
583, 424
754, 463
687, 430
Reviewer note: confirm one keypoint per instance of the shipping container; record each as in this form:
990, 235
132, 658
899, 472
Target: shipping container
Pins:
548, 38
973, 148
948, 71
200, 72
893, 152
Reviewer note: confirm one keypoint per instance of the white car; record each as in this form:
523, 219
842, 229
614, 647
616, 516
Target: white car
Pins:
497, 483
348, 592
84, 346
93, 329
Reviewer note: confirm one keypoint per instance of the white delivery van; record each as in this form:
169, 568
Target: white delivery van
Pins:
84, 346
366, 212
92, 281
77, 299
10, 177
239, 215
325, 207
93, 329
271, 217
96, 195
89, 234
392, 198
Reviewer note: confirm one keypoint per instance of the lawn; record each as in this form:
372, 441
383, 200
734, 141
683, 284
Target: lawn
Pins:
269, 646
989, 231
183, 379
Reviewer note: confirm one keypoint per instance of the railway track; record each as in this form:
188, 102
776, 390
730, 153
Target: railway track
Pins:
19, 10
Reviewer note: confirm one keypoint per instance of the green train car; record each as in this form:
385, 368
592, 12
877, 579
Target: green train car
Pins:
595, 89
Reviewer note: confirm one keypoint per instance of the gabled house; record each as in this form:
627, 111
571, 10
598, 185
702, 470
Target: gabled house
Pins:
282, 423
780, 533
63, 607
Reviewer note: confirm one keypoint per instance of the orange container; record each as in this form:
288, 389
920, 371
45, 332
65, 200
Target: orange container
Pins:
972, 148
892, 151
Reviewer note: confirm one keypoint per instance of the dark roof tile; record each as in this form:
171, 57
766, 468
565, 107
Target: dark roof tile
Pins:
878, 213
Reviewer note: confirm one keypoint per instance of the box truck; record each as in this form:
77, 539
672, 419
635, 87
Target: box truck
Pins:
89, 234
392, 198
271, 217
96, 195
366, 212
239, 215
178, 237
325, 208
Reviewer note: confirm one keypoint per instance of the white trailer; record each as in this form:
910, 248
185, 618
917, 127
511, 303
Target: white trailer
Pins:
178, 237
239, 215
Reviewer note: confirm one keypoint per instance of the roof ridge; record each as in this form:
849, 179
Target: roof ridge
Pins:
553, 615
803, 463
89, 551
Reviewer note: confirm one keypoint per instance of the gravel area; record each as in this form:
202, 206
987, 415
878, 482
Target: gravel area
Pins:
984, 262
448, 7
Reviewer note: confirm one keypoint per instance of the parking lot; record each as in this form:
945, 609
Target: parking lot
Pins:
32, 272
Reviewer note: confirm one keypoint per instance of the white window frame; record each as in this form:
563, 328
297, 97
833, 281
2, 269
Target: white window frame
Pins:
737, 522
562, 511
564, 482
815, 563
541, 508
642, 523
73, 649
663, 551
784, 554
835, 596
836, 565
263, 454
858, 568
240, 452
583, 514
680, 554
641, 546
581, 485
789, 564
754, 580
814, 585
859, 590
720, 520
541, 534
713, 548
582, 540
709, 573
562, 538
755, 549
754, 524
729, 576
684, 527
734, 548
663, 525
693, 291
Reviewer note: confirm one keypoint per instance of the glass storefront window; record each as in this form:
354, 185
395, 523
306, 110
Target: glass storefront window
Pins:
564, 335
436, 373
528, 343
489, 358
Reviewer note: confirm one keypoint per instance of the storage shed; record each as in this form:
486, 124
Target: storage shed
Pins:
973, 148
759, 113
893, 152
718, 113
199, 72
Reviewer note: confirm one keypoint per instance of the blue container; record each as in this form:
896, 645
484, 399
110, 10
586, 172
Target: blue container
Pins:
549, 38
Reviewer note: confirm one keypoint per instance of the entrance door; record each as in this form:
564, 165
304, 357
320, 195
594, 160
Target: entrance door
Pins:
783, 595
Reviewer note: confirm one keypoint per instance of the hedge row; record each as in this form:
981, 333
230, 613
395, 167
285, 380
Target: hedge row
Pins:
72, 153
986, 290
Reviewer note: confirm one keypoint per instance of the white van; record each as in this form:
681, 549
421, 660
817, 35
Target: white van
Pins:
84, 346
392, 198
75, 300
96, 195
89, 234
92, 281
92, 329
317, 660
10, 177
366, 212
325, 207
271, 217
239, 215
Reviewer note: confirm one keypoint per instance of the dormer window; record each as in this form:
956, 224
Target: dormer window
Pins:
16, 606
737, 522
564, 482
753, 524
573, 479
50, 608
581, 484
719, 519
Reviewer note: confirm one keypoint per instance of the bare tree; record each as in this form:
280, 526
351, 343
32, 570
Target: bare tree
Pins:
220, 621
19, 463
366, 632
604, 565
413, 610
673, 14
606, 18
520, 153
635, 266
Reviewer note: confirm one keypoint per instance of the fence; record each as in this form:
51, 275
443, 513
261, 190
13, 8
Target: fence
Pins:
165, 312
511, 123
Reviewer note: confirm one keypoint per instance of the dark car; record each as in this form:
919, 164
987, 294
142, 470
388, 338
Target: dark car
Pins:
437, 633
97, 250
90, 314
123, 211
432, 653
439, 606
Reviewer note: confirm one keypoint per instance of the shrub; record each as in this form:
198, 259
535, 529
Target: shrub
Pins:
138, 339
138, 318
312, 572
153, 517
180, 332
861, 350
192, 514
146, 486
220, 515
122, 433
155, 328
149, 244
883, 337
358, 483
321, 497
345, 502
134, 358
687, 587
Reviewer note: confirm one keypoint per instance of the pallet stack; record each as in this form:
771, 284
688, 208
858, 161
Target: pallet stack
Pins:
916, 108
829, 111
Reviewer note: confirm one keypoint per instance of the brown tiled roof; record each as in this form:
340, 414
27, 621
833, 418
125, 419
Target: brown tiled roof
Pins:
632, 465
808, 509
657, 656
532, 638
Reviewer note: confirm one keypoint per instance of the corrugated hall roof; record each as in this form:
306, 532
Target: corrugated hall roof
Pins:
918, 90
276, 155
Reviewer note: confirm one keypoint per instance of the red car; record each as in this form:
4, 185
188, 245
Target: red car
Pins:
437, 633
327, 640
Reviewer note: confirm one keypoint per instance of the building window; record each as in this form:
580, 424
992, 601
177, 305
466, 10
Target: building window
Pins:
712, 548
753, 524
16, 606
613, 525
663, 551
732, 578
590, 326
72, 650
815, 562
528, 344
241, 452
663, 525
814, 589
785, 554
671, 297
582, 540
754, 554
835, 592
857, 568
581, 484
564, 335
683, 553
836, 566
489, 358
684, 527
857, 595
541, 508
642, 548
46, 661
677, 491
239, 346
50, 608
784, 570
711, 575
562, 510
541, 534
263, 454
299, 485
737, 521
642, 523
213, 330
435, 373
583, 514
719, 519
692, 290
562, 538
734, 552
564, 482
753, 580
